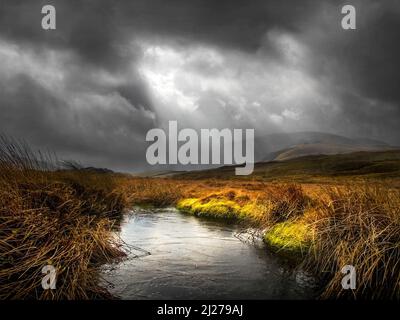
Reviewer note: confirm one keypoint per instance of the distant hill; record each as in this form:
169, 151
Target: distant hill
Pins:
97, 170
158, 173
302, 150
76, 166
284, 146
378, 164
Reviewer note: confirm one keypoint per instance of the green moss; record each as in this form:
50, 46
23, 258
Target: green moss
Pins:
215, 208
290, 237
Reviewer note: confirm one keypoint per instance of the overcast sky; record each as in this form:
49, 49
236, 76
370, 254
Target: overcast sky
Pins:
112, 70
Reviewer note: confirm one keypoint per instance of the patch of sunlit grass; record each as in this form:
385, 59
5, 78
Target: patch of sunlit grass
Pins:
292, 237
215, 208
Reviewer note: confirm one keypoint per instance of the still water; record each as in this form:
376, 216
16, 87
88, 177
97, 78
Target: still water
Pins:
192, 258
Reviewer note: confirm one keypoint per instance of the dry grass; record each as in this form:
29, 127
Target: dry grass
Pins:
65, 218
58, 218
358, 226
262, 206
328, 227
150, 192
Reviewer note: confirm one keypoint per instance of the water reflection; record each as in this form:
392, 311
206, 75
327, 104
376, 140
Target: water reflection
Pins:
194, 258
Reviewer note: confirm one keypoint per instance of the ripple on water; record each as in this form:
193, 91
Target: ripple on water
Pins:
194, 258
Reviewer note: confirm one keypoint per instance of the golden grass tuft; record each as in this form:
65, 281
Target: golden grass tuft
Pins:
66, 217
150, 192
54, 217
212, 207
323, 227
359, 226
289, 237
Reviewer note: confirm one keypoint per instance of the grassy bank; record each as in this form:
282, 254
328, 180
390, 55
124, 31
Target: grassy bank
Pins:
66, 218
278, 209
324, 228
61, 218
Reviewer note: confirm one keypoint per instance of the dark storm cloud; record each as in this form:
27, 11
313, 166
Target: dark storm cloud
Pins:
375, 52
98, 135
96, 28
98, 105
369, 56
364, 64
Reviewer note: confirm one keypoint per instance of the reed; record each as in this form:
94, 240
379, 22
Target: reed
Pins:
53, 216
358, 226
324, 228
54, 213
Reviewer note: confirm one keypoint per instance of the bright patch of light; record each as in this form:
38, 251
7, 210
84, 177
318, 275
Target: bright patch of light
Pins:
257, 88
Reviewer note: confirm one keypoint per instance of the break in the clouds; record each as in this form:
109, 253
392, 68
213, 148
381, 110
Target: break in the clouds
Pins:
112, 70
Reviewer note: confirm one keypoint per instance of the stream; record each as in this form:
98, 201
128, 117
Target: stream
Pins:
193, 258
